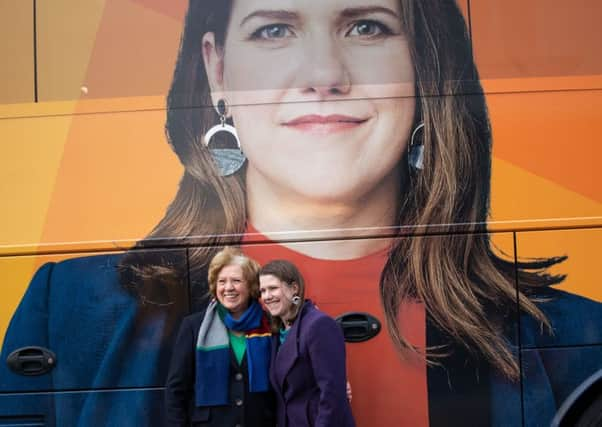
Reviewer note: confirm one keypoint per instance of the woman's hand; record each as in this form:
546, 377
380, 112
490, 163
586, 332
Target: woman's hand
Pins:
349, 394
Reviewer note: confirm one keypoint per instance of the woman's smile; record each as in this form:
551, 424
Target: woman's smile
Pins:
319, 124
274, 305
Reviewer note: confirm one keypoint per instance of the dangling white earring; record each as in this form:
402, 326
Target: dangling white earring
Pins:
227, 160
416, 151
296, 300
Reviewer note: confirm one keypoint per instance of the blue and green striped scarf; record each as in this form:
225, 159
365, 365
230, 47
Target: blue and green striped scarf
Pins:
213, 353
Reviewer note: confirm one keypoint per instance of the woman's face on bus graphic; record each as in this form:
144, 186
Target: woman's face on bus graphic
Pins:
321, 93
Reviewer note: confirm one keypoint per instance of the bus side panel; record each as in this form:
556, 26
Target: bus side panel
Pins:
16, 21
103, 332
538, 39
574, 306
550, 375
392, 387
105, 407
555, 361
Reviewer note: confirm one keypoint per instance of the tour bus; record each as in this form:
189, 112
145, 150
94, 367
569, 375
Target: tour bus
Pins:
430, 166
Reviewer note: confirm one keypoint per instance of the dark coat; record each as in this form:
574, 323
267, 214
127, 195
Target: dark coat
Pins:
245, 409
308, 373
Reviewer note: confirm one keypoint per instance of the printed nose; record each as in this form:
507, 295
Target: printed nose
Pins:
324, 72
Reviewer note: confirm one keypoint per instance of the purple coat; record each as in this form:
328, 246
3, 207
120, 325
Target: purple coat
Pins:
308, 373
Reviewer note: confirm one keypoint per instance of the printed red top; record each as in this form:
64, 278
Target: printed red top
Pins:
388, 389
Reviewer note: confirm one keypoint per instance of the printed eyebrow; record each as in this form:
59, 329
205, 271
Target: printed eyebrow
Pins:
279, 15
356, 12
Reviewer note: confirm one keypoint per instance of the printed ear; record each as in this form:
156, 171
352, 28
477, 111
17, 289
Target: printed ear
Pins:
214, 66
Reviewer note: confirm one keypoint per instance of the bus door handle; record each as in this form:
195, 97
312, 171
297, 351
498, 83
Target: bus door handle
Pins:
358, 327
31, 361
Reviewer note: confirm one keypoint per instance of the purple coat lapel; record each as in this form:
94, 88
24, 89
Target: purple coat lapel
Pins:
284, 356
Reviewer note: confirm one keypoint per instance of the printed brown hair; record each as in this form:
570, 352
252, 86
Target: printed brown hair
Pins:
456, 274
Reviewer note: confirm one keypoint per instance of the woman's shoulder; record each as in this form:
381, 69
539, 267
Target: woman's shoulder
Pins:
96, 273
195, 319
314, 318
82, 267
574, 320
311, 313
561, 306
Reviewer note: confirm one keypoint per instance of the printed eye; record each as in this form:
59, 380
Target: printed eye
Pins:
367, 28
273, 32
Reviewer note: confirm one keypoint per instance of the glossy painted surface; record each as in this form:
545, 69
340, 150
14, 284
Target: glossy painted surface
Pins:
88, 169
101, 330
17, 52
539, 38
581, 247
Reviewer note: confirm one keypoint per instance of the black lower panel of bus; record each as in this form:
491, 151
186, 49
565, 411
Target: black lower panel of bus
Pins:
70, 408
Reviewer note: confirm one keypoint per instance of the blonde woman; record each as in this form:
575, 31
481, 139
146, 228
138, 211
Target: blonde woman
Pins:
219, 367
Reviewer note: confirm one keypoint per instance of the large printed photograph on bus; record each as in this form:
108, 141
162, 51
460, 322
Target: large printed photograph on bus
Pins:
358, 139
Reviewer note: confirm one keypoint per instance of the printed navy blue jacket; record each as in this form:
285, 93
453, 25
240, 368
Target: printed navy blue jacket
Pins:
113, 354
